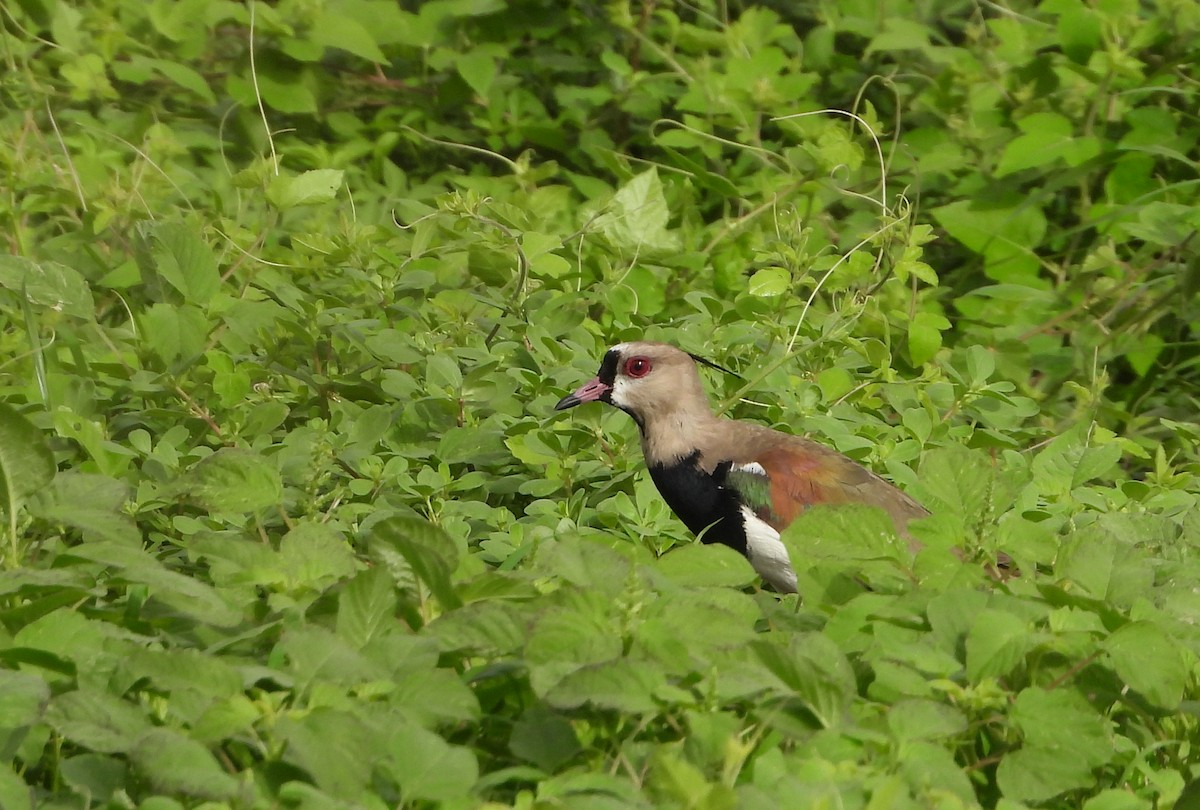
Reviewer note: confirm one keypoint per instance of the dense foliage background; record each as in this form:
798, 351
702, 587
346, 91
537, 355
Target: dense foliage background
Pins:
289, 291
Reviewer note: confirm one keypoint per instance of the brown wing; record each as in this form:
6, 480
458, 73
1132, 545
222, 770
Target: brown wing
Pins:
803, 474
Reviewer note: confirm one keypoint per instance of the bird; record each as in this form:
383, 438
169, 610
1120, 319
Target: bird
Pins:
730, 481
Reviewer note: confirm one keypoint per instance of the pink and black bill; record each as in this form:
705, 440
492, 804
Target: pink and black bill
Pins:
599, 388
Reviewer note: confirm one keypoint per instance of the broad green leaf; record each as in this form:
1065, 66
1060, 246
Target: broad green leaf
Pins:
314, 555
1150, 662
175, 333
1035, 774
1061, 719
337, 749
185, 77
174, 763
636, 218
366, 607
769, 282
93, 504
996, 643
427, 768
232, 480
313, 187
98, 721
954, 483
176, 671
1069, 461
14, 792
544, 737
1047, 136
1064, 740
478, 70
334, 29
925, 336
568, 638
177, 255
1080, 30
23, 699
1119, 799
699, 565
1001, 231
849, 531
624, 685
48, 286
93, 776
435, 697
816, 669
491, 628
431, 553
69, 636
314, 654
187, 595
924, 720
26, 463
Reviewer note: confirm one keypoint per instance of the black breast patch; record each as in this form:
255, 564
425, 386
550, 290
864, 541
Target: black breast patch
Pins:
711, 511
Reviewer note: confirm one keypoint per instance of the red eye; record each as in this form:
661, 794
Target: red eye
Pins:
637, 367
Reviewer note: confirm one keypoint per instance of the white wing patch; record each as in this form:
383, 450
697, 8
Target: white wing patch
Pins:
766, 551
754, 468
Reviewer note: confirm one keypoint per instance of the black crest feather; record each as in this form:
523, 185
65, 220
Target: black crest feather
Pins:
706, 362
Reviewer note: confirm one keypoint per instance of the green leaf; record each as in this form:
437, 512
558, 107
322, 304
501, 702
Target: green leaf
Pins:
996, 644
14, 793
93, 504
1080, 30
175, 332
1150, 662
1047, 137
619, 684
706, 566
769, 282
545, 738
188, 595
308, 188
173, 763
232, 480
313, 555
366, 607
1064, 740
636, 218
568, 639
431, 553
93, 776
851, 531
1069, 462
97, 720
337, 749
333, 29
1036, 774
925, 336
26, 463
48, 285
1002, 231
478, 70
427, 768
23, 699
816, 669
184, 76
924, 720
180, 257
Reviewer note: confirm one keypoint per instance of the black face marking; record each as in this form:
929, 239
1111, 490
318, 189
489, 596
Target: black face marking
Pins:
608, 367
708, 509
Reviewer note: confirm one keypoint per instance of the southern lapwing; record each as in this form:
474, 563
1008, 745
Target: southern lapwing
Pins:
729, 481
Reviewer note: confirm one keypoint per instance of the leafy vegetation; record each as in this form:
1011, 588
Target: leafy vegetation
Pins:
289, 292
